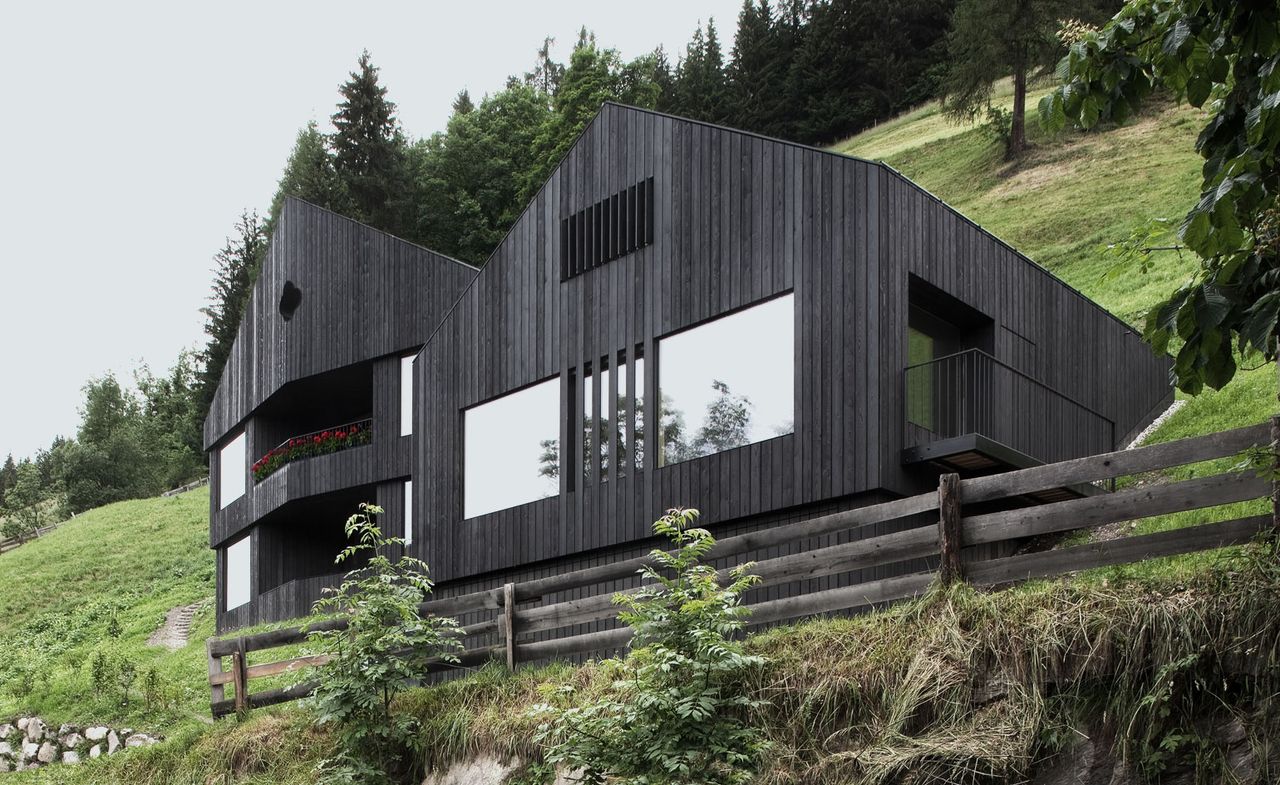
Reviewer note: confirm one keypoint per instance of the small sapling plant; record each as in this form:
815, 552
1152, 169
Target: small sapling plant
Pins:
677, 710
386, 646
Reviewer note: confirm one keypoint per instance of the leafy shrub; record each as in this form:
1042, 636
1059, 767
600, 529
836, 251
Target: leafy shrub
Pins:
386, 645
677, 711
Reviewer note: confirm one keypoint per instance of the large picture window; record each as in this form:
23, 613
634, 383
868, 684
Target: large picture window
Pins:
406, 394
512, 454
239, 563
232, 470
727, 383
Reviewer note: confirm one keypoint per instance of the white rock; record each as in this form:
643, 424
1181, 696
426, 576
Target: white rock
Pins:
35, 729
113, 742
95, 751
5, 730
71, 757
138, 740
29, 750
48, 752
22, 722
4, 765
484, 770
6, 749
66, 728
72, 740
96, 733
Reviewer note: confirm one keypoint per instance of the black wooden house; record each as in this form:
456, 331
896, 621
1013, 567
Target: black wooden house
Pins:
683, 315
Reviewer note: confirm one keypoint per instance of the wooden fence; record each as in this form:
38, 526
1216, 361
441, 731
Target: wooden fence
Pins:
514, 615
191, 486
13, 542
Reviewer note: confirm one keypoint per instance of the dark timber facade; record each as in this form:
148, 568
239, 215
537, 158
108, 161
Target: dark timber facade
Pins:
917, 343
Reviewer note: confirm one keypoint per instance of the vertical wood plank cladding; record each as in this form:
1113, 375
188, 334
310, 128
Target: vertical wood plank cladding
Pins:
365, 295
736, 219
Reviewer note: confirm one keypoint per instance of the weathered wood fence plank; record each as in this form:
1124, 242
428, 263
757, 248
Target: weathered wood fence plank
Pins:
953, 533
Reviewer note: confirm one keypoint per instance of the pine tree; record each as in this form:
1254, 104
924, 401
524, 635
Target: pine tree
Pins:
310, 175
8, 476
462, 103
700, 83
756, 70
369, 149
664, 82
547, 73
236, 268
991, 39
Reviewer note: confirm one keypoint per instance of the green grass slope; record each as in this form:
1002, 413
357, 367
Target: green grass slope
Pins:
101, 584
1061, 205
1072, 195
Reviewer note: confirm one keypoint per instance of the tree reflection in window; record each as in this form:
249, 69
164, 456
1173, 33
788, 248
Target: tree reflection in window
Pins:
727, 383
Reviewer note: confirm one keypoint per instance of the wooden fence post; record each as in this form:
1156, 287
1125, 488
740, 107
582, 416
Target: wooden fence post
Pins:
217, 692
950, 534
238, 661
1275, 468
509, 623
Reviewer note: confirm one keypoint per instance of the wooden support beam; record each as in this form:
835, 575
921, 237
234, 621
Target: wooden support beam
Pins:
238, 662
950, 529
509, 623
1275, 473
217, 693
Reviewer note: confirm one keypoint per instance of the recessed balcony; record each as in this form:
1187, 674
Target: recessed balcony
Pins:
310, 445
970, 413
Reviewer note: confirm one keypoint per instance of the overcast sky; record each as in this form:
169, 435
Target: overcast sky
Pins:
134, 134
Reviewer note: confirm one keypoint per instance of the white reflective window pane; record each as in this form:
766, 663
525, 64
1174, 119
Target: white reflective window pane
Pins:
727, 383
637, 442
232, 470
620, 421
239, 561
408, 512
406, 395
512, 449
605, 406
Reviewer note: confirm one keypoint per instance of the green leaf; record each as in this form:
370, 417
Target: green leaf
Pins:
1198, 89
1176, 37
1089, 111
1194, 232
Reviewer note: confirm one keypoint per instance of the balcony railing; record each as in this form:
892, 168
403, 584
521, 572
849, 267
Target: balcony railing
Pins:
971, 392
309, 445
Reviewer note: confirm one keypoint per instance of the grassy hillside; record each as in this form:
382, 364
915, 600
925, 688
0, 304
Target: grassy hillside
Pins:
101, 584
1072, 195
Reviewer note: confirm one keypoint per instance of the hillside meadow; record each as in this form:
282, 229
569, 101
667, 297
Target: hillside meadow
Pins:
103, 582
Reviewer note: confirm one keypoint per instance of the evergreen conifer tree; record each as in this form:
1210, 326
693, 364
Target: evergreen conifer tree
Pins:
233, 276
310, 175
462, 103
369, 149
8, 476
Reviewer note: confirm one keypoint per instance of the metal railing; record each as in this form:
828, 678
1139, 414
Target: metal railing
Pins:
971, 392
333, 439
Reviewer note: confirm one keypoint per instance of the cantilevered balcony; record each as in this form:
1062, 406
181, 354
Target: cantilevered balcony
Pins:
970, 413
326, 441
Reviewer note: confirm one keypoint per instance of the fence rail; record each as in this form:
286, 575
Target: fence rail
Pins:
191, 486
14, 542
954, 532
